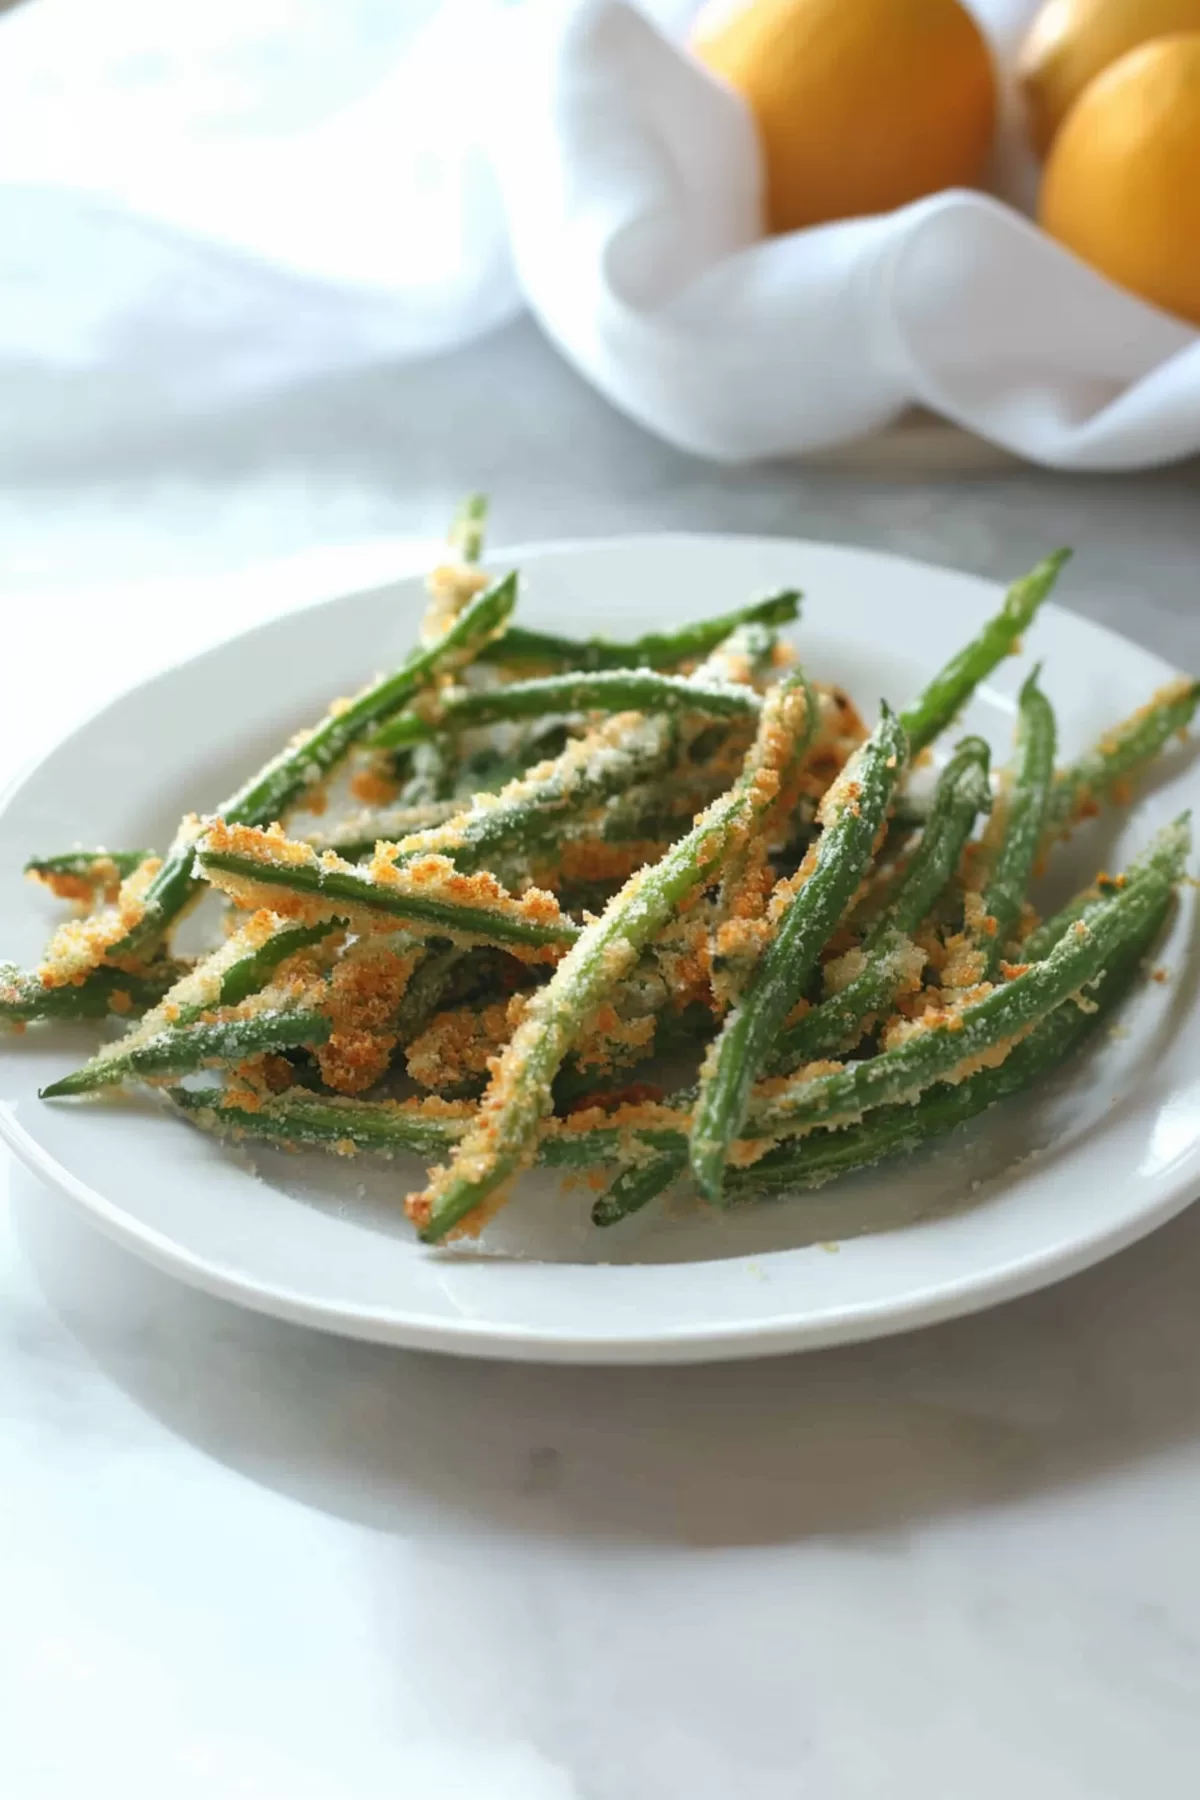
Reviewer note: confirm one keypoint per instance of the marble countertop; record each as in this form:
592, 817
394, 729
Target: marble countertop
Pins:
245, 1560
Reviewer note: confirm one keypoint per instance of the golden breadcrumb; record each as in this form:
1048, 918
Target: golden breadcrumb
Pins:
451, 586
361, 1000
461, 1043
428, 877
81, 945
374, 784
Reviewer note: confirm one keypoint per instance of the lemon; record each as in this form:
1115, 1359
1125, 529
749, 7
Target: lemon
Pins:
1072, 41
861, 105
1122, 186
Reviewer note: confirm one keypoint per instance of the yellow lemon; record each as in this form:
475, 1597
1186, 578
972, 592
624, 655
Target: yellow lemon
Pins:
1122, 186
1072, 41
861, 105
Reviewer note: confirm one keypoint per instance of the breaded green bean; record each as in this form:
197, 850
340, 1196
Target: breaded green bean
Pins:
822, 1156
639, 1184
24, 998
81, 874
853, 813
285, 779
468, 527
946, 693
504, 1137
240, 968
944, 1049
1121, 753
1020, 815
656, 650
609, 690
427, 901
887, 951
180, 1051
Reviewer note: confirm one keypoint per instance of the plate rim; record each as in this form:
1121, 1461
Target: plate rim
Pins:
723, 1342
784, 1332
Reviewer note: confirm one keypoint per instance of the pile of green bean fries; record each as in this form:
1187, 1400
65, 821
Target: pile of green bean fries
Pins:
560, 866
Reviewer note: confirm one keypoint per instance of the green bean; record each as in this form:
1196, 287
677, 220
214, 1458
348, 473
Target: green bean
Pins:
490, 768
468, 527
358, 836
610, 690
946, 693
654, 810
815, 1160
390, 1127
247, 974
573, 1149
286, 778
1119, 754
267, 795
748, 1037
938, 1051
24, 997
1161, 855
95, 868
449, 977
1043, 938
674, 1033
746, 655
1020, 817
503, 1139
534, 808
175, 1052
810, 1162
649, 819
751, 853
962, 793
887, 1131
854, 810
539, 806
661, 808
638, 1184
240, 968
656, 650
336, 889
299, 1117
433, 983
433, 769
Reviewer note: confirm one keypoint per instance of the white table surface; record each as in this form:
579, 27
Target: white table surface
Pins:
239, 1559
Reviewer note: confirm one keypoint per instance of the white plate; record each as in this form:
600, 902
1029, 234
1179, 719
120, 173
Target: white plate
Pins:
1040, 1187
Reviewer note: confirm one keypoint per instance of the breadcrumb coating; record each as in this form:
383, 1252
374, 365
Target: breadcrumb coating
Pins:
361, 1000
460, 1044
81, 945
451, 586
430, 877
101, 881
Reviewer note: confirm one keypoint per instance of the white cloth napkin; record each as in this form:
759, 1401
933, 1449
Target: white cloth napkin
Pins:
198, 204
